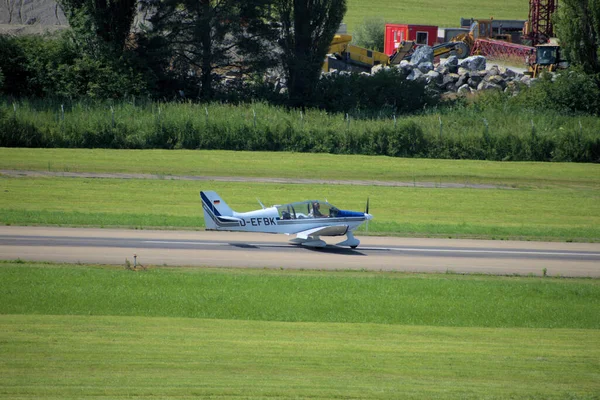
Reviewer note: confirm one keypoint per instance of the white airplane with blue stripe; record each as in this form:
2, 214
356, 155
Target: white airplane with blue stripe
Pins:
308, 220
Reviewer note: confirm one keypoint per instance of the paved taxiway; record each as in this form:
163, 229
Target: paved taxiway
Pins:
227, 249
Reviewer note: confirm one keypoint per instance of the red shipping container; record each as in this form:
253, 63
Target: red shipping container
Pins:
397, 33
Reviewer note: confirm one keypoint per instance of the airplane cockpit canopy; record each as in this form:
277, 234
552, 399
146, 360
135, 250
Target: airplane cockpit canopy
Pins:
307, 209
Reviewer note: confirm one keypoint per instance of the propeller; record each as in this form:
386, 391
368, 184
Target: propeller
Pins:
367, 213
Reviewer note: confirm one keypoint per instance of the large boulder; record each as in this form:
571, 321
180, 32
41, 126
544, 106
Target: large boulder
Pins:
462, 80
433, 76
425, 67
451, 78
494, 70
464, 90
485, 85
496, 79
414, 75
474, 80
451, 61
421, 55
473, 63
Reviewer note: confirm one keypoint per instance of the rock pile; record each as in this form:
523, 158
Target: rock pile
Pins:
464, 76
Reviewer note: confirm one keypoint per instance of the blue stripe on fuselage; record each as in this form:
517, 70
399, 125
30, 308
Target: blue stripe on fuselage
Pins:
346, 214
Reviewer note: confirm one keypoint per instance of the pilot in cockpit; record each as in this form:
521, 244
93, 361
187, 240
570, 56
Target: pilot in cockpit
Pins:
316, 213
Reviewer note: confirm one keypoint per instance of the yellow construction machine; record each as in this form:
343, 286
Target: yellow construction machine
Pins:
547, 59
346, 56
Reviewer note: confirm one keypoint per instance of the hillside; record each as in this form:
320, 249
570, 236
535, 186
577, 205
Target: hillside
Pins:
432, 12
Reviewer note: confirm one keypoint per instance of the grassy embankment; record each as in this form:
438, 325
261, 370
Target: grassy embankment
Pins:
77, 332
443, 14
542, 201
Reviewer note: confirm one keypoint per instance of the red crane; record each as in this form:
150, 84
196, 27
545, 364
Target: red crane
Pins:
540, 28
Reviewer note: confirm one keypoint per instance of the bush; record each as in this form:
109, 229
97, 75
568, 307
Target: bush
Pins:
370, 34
568, 92
51, 66
383, 94
188, 126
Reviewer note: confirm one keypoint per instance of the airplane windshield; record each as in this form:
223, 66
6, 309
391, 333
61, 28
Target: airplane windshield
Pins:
307, 209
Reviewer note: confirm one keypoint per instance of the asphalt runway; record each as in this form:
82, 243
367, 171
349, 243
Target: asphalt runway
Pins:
228, 249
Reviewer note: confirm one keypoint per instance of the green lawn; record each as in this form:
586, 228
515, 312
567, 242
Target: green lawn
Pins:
536, 201
300, 296
75, 357
301, 165
76, 331
548, 214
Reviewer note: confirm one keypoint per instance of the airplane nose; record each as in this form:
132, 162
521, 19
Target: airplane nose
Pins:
368, 216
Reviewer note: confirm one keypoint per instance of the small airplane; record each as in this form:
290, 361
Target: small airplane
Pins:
308, 220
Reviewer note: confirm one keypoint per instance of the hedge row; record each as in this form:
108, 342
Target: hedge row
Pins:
405, 138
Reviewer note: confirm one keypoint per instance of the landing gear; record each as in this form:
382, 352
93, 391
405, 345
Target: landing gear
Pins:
351, 241
316, 241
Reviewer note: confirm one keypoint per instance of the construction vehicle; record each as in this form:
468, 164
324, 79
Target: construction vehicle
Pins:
547, 59
539, 31
345, 56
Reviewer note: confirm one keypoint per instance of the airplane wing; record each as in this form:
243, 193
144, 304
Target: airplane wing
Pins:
331, 230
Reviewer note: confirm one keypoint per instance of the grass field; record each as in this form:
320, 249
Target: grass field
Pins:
303, 165
89, 331
551, 214
442, 14
549, 202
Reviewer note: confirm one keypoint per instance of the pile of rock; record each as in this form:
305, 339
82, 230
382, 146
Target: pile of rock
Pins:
459, 76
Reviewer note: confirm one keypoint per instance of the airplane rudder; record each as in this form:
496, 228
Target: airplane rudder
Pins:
215, 204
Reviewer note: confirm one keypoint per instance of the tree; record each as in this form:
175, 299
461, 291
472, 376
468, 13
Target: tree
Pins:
101, 25
203, 37
370, 34
307, 29
578, 27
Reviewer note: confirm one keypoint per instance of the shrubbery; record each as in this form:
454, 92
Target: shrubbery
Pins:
383, 94
567, 92
51, 66
464, 132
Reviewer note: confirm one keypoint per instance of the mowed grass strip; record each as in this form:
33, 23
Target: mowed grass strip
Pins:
541, 214
165, 163
75, 357
296, 296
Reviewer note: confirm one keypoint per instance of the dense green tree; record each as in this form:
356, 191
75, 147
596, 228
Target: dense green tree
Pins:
54, 66
101, 25
307, 28
201, 38
578, 28
370, 34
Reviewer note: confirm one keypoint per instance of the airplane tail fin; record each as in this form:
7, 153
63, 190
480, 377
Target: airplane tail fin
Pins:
214, 210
